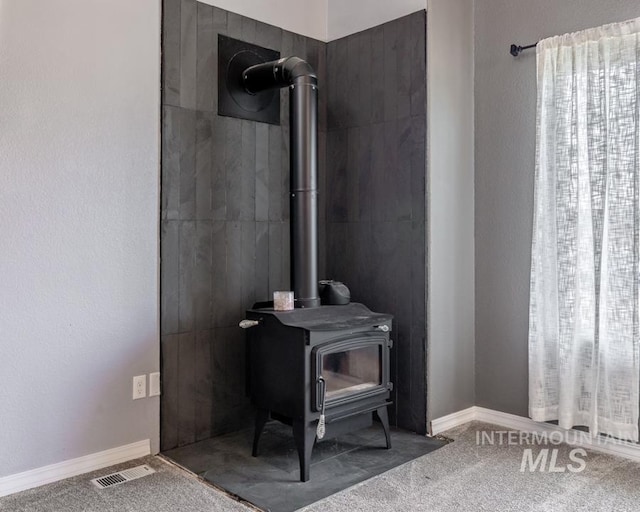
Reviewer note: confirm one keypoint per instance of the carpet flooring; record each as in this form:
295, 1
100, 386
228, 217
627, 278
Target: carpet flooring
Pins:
461, 476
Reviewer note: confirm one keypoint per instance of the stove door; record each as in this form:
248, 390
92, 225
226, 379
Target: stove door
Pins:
352, 368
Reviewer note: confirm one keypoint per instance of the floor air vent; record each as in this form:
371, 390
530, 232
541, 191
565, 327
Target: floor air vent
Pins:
122, 476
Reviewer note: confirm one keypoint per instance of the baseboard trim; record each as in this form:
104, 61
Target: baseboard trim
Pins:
68, 468
453, 420
601, 444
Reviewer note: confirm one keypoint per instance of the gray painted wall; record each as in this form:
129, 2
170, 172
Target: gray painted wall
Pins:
505, 102
79, 221
450, 207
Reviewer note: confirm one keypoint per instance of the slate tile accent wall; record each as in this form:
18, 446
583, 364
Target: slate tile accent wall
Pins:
225, 206
375, 214
225, 219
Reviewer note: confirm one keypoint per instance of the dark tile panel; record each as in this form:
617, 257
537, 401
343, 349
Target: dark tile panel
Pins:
360, 241
298, 46
262, 262
233, 167
262, 172
169, 276
188, 54
248, 263
418, 168
187, 123
219, 22
171, 52
365, 173
338, 106
377, 81
234, 25
248, 30
391, 187
171, 150
218, 168
204, 166
268, 36
354, 83
418, 327
353, 174
418, 43
235, 309
204, 58
186, 388
220, 390
322, 204
202, 274
402, 176
219, 275
398, 270
248, 171
337, 156
186, 320
390, 34
169, 412
378, 167
339, 256
404, 65
203, 385
219, 26
276, 170
276, 277
365, 66
232, 410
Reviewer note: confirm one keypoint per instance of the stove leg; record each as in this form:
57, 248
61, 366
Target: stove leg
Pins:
304, 435
262, 416
383, 415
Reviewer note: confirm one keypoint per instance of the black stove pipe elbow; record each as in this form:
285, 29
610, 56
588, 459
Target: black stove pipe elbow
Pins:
277, 74
299, 77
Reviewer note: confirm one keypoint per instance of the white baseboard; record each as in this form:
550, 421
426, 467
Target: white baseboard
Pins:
453, 420
68, 468
601, 444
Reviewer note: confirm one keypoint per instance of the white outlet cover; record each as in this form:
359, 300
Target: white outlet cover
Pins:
154, 384
139, 387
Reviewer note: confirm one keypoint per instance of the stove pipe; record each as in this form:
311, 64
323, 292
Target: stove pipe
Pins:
300, 78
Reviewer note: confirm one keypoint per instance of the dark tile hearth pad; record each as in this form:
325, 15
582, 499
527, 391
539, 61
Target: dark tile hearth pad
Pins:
270, 481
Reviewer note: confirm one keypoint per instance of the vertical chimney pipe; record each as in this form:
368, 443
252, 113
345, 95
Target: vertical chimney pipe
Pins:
298, 76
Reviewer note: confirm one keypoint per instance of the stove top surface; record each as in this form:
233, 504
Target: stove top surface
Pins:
326, 318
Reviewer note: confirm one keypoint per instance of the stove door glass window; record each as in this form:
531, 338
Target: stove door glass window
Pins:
352, 371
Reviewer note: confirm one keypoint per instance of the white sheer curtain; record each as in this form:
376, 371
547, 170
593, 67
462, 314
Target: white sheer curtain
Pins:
584, 315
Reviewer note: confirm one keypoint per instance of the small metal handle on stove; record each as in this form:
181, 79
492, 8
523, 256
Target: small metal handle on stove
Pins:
320, 429
246, 324
383, 328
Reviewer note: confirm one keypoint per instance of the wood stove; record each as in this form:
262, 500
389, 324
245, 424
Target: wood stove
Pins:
334, 358
323, 369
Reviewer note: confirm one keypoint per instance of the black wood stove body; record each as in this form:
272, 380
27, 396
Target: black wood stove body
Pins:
330, 358
324, 369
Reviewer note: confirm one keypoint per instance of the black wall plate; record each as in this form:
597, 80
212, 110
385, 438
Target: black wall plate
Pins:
234, 57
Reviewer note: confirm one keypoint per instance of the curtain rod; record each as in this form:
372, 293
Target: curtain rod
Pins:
516, 50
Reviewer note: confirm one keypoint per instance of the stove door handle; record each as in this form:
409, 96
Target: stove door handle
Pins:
383, 328
246, 324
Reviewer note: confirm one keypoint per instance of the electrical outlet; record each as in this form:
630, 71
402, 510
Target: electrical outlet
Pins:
139, 386
154, 384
